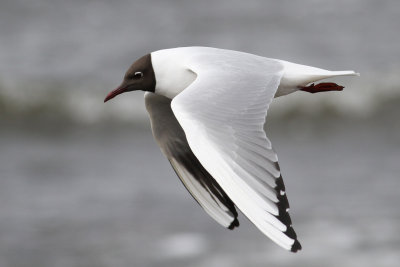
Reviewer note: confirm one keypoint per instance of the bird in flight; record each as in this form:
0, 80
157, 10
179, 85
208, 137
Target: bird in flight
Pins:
207, 108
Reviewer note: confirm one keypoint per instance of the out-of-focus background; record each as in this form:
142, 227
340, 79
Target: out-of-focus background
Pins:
82, 183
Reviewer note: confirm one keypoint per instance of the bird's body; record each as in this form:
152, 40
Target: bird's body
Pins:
173, 67
207, 108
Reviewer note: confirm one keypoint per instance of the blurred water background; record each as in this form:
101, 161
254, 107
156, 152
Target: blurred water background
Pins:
84, 184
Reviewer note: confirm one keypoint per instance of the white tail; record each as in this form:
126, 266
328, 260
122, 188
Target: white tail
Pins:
296, 75
345, 73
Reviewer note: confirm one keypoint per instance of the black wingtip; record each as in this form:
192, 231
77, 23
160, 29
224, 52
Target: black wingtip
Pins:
296, 246
290, 232
234, 224
279, 184
284, 217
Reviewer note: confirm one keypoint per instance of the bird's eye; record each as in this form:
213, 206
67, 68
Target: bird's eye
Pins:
138, 74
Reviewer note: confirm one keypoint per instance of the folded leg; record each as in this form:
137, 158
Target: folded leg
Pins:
321, 87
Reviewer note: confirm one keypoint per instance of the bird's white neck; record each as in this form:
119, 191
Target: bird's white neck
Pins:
172, 76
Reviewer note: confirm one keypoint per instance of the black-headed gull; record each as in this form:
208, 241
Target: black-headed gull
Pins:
207, 108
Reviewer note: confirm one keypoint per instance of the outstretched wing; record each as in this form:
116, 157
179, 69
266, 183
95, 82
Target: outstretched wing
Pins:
172, 141
223, 113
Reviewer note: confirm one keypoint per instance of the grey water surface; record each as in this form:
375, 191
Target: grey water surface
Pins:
107, 197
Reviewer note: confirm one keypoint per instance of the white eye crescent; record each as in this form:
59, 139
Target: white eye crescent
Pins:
139, 74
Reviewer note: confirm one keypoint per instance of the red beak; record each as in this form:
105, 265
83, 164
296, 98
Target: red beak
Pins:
114, 93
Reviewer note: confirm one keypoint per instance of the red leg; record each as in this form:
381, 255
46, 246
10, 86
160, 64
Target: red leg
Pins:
321, 87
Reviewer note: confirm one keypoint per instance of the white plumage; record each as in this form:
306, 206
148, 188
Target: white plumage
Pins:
208, 110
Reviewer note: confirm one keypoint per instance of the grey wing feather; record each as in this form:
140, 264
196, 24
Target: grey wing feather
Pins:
172, 141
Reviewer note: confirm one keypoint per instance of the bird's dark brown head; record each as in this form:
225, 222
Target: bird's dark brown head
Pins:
140, 76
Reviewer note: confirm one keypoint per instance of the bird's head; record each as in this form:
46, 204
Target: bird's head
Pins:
140, 76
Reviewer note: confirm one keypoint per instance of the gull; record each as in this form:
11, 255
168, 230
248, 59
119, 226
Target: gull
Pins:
207, 108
